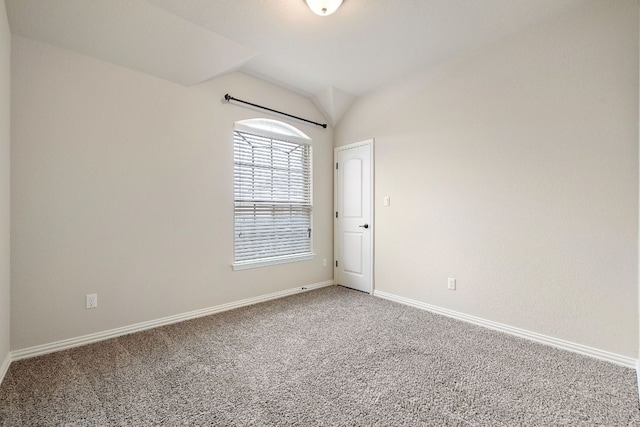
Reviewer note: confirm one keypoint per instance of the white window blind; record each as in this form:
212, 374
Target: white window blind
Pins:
272, 197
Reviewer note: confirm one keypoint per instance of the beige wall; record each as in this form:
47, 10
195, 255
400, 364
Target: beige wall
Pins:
515, 170
5, 84
122, 186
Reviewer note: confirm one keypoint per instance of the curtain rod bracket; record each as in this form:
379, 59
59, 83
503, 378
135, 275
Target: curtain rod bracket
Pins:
230, 98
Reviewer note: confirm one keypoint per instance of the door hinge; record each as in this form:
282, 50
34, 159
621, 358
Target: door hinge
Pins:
336, 214
336, 165
336, 263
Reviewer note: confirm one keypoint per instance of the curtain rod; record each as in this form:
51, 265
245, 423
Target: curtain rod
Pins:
229, 98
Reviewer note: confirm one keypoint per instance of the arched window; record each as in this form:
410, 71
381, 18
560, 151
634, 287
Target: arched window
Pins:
272, 194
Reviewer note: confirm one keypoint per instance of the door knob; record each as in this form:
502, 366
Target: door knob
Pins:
364, 226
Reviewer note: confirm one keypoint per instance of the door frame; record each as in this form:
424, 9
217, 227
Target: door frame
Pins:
336, 241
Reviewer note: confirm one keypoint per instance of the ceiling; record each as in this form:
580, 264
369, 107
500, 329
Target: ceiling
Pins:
333, 60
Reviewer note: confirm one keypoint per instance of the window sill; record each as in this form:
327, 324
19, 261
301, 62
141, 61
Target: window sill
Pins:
271, 261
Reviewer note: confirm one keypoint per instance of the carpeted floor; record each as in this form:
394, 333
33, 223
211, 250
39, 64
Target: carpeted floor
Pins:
330, 357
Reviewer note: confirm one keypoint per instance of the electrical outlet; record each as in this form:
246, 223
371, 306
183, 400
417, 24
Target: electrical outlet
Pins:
324, 262
92, 300
451, 284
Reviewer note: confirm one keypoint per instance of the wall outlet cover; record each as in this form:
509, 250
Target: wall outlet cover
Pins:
91, 300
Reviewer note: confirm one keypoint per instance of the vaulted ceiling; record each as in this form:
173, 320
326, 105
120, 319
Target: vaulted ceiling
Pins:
333, 60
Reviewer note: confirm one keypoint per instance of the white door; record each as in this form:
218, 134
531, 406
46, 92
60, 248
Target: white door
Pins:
354, 216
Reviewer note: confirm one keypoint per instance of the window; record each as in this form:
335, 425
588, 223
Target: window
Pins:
272, 194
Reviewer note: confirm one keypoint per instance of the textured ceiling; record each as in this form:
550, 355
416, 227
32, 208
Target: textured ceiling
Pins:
134, 34
365, 44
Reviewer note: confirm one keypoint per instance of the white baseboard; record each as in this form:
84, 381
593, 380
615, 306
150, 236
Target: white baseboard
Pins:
4, 367
125, 330
522, 333
638, 375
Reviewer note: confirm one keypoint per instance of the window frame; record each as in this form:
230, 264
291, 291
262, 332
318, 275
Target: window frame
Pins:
280, 131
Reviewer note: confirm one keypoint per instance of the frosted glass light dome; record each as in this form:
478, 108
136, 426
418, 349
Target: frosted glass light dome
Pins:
323, 7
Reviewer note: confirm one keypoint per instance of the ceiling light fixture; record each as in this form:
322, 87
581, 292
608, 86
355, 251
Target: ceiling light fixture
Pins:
323, 7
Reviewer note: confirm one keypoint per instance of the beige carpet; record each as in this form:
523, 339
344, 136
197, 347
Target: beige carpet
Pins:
330, 357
